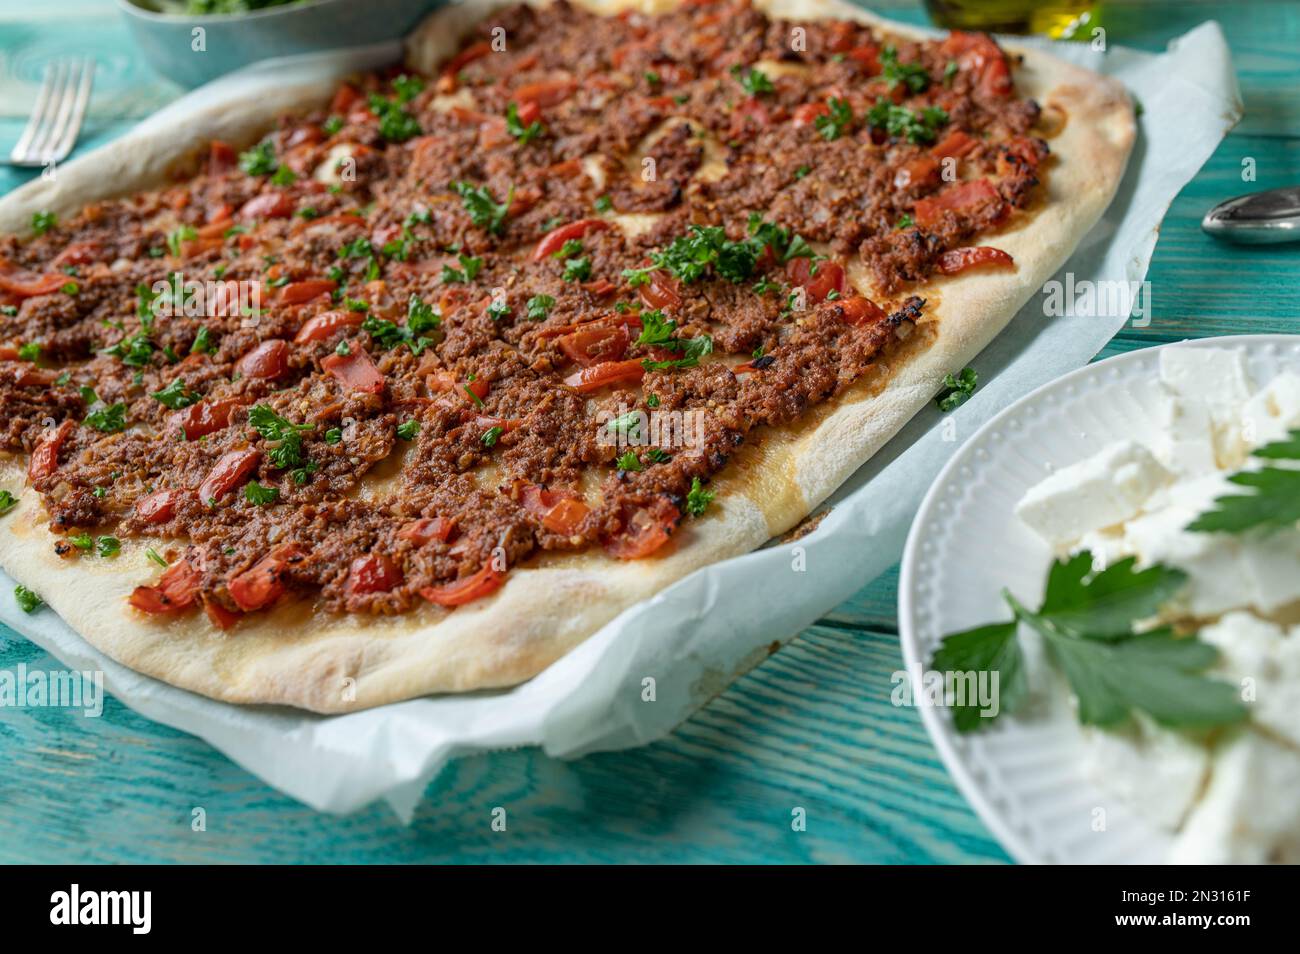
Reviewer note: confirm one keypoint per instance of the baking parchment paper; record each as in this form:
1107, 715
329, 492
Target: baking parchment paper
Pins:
700, 633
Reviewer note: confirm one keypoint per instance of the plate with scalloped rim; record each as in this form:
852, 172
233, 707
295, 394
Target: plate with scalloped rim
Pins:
1024, 775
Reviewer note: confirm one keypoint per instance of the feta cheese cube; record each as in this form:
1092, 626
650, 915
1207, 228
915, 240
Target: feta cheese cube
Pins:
1217, 376
1264, 660
1273, 411
1158, 772
1100, 491
1249, 813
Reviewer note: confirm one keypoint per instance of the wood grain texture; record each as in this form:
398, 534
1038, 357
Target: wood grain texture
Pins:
811, 727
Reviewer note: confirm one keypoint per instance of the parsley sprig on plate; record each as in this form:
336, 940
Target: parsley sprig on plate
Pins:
1275, 503
1090, 622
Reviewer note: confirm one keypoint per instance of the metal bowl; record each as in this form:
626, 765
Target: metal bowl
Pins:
194, 49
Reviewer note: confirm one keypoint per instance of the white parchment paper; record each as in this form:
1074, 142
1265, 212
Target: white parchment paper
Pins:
706, 629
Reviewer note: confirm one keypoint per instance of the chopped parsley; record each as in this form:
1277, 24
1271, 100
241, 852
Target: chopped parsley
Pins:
628, 462
754, 82
604, 203
492, 435
7, 502
202, 341
912, 75
260, 160
498, 310
42, 222
283, 176
332, 125
656, 456
108, 546
395, 123
523, 134
408, 429
802, 171
904, 222
27, 601
949, 72
420, 317
176, 395
902, 123
133, 350
286, 436
577, 269
484, 211
470, 266
834, 124
539, 306
109, 420
153, 555
30, 351
957, 389
333, 435
258, 495
698, 499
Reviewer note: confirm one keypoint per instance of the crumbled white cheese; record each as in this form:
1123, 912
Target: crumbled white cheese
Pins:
1158, 772
1099, 491
1250, 812
1206, 389
1274, 411
1264, 660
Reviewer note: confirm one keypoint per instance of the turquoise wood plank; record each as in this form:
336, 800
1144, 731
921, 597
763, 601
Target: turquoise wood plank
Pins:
812, 726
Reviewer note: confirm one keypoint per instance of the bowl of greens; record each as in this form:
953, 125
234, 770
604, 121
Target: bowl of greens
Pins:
193, 41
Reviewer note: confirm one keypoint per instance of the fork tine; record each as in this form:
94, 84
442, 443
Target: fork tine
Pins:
21, 151
77, 114
65, 95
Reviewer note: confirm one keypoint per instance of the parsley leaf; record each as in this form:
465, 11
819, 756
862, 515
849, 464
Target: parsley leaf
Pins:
837, 122
628, 462
1088, 621
957, 389
492, 434
108, 546
258, 495
523, 134
698, 499
395, 123
754, 81
176, 395
286, 436
484, 211
260, 160
109, 420
408, 429
7, 502
913, 75
27, 601
42, 222
577, 269
539, 306
901, 123
1275, 503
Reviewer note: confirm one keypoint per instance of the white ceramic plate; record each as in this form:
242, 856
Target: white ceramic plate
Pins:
1024, 775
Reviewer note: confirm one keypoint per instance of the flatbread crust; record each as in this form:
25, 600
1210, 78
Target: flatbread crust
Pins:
343, 663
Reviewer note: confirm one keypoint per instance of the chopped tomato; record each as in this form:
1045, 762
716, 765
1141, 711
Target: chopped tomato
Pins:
78, 253
867, 56
268, 205
485, 581
554, 240
176, 590
355, 370
26, 285
609, 372
546, 92
806, 114
954, 145
262, 585
269, 360
295, 293
8, 353
600, 288
644, 531
593, 345
345, 98
372, 573
1022, 151
919, 173
662, 291
328, 323
28, 376
963, 197
229, 472
829, 277
979, 53
427, 529
857, 310
206, 417
221, 617
629, 319
528, 112
159, 506
221, 156
560, 511
45, 459
959, 259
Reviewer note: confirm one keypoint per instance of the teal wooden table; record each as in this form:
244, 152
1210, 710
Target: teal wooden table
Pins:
812, 726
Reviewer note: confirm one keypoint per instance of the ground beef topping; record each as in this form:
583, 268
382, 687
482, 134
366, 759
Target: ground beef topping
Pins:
535, 302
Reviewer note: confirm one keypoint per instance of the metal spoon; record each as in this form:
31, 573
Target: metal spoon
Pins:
1261, 218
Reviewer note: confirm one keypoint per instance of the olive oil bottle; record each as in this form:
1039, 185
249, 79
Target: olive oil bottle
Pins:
1058, 19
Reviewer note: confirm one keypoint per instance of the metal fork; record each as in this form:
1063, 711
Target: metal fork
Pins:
60, 107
